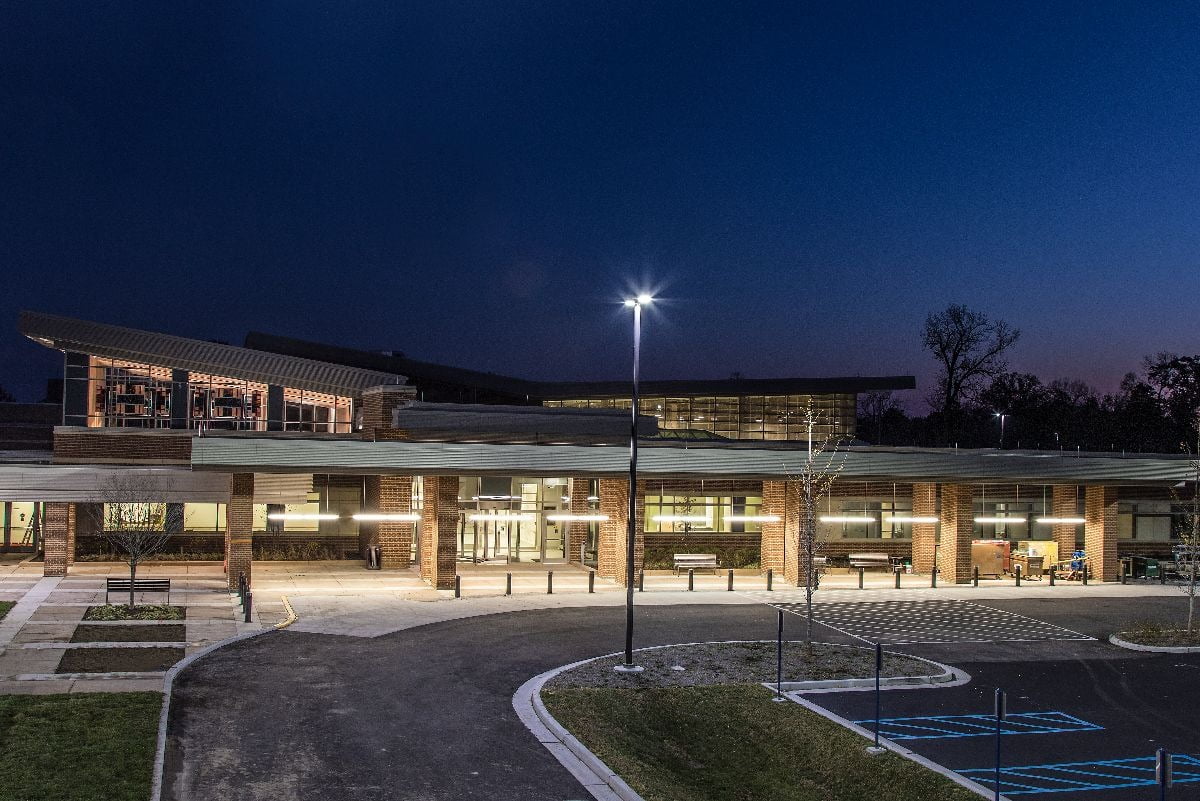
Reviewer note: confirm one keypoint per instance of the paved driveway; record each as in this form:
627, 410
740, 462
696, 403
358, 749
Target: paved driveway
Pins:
425, 713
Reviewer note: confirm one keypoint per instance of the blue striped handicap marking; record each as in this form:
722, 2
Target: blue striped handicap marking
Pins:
948, 726
1069, 777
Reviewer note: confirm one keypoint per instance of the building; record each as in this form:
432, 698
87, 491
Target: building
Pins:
292, 447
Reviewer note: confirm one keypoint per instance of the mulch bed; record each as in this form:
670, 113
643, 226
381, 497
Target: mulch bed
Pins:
125, 612
113, 660
131, 633
738, 663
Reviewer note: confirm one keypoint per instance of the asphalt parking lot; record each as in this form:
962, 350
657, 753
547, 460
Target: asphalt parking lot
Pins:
1085, 717
426, 713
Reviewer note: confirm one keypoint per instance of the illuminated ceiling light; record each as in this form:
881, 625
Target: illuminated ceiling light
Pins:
301, 516
579, 518
679, 519
1020, 519
909, 519
847, 519
752, 518
1061, 521
374, 516
523, 517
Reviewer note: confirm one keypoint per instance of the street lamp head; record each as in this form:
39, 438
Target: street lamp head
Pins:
640, 300
630, 303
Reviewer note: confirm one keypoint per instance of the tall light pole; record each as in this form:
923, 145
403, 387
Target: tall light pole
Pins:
631, 530
1002, 416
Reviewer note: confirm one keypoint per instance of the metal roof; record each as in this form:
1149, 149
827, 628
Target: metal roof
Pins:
194, 355
860, 463
420, 372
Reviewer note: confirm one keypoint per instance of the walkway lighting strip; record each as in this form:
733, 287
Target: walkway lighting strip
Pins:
1061, 521
371, 516
752, 518
910, 519
1019, 519
847, 519
679, 519
580, 518
301, 516
504, 517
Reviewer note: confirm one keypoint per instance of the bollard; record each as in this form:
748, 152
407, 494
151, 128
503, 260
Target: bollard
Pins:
243, 588
591, 581
730, 587
1162, 772
458, 586
878, 693
249, 603
1052, 571
779, 658
1085, 572
1000, 713
975, 575
1017, 574
770, 578
691, 579
1124, 572
933, 578
897, 579
641, 581
861, 572
508, 583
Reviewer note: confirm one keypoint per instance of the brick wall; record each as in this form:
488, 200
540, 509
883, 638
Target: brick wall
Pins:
576, 532
439, 528
958, 529
1100, 532
110, 446
377, 406
239, 529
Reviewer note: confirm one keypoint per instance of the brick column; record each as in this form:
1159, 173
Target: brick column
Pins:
924, 535
1065, 503
614, 537
576, 532
378, 404
239, 529
58, 539
780, 542
958, 529
389, 495
1100, 532
439, 530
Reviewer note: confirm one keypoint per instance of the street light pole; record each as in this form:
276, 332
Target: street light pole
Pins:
631, 523
1002, 416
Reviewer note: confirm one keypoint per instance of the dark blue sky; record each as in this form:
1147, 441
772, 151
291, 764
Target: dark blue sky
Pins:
478, 182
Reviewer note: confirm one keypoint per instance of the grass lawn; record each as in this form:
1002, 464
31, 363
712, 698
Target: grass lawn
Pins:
5, 606
78, 747
732, 743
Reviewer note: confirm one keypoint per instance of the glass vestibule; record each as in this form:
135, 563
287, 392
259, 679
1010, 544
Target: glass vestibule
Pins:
505, 519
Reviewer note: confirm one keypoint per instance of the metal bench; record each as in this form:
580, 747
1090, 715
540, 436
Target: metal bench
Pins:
141, 585
696, 561
870, 560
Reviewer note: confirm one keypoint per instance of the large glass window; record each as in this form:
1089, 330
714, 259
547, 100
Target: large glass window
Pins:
226, 404
128, 395
709, 513
752, 417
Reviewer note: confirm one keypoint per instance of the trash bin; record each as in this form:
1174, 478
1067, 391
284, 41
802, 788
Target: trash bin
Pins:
373, 556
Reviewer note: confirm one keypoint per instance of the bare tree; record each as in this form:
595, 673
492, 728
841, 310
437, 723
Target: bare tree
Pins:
821, 467
136, 520
874, 406
969, 348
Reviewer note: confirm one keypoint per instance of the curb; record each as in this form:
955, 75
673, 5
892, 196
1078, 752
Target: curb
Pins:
605, 785
160, 750
596, 777
1158, 649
